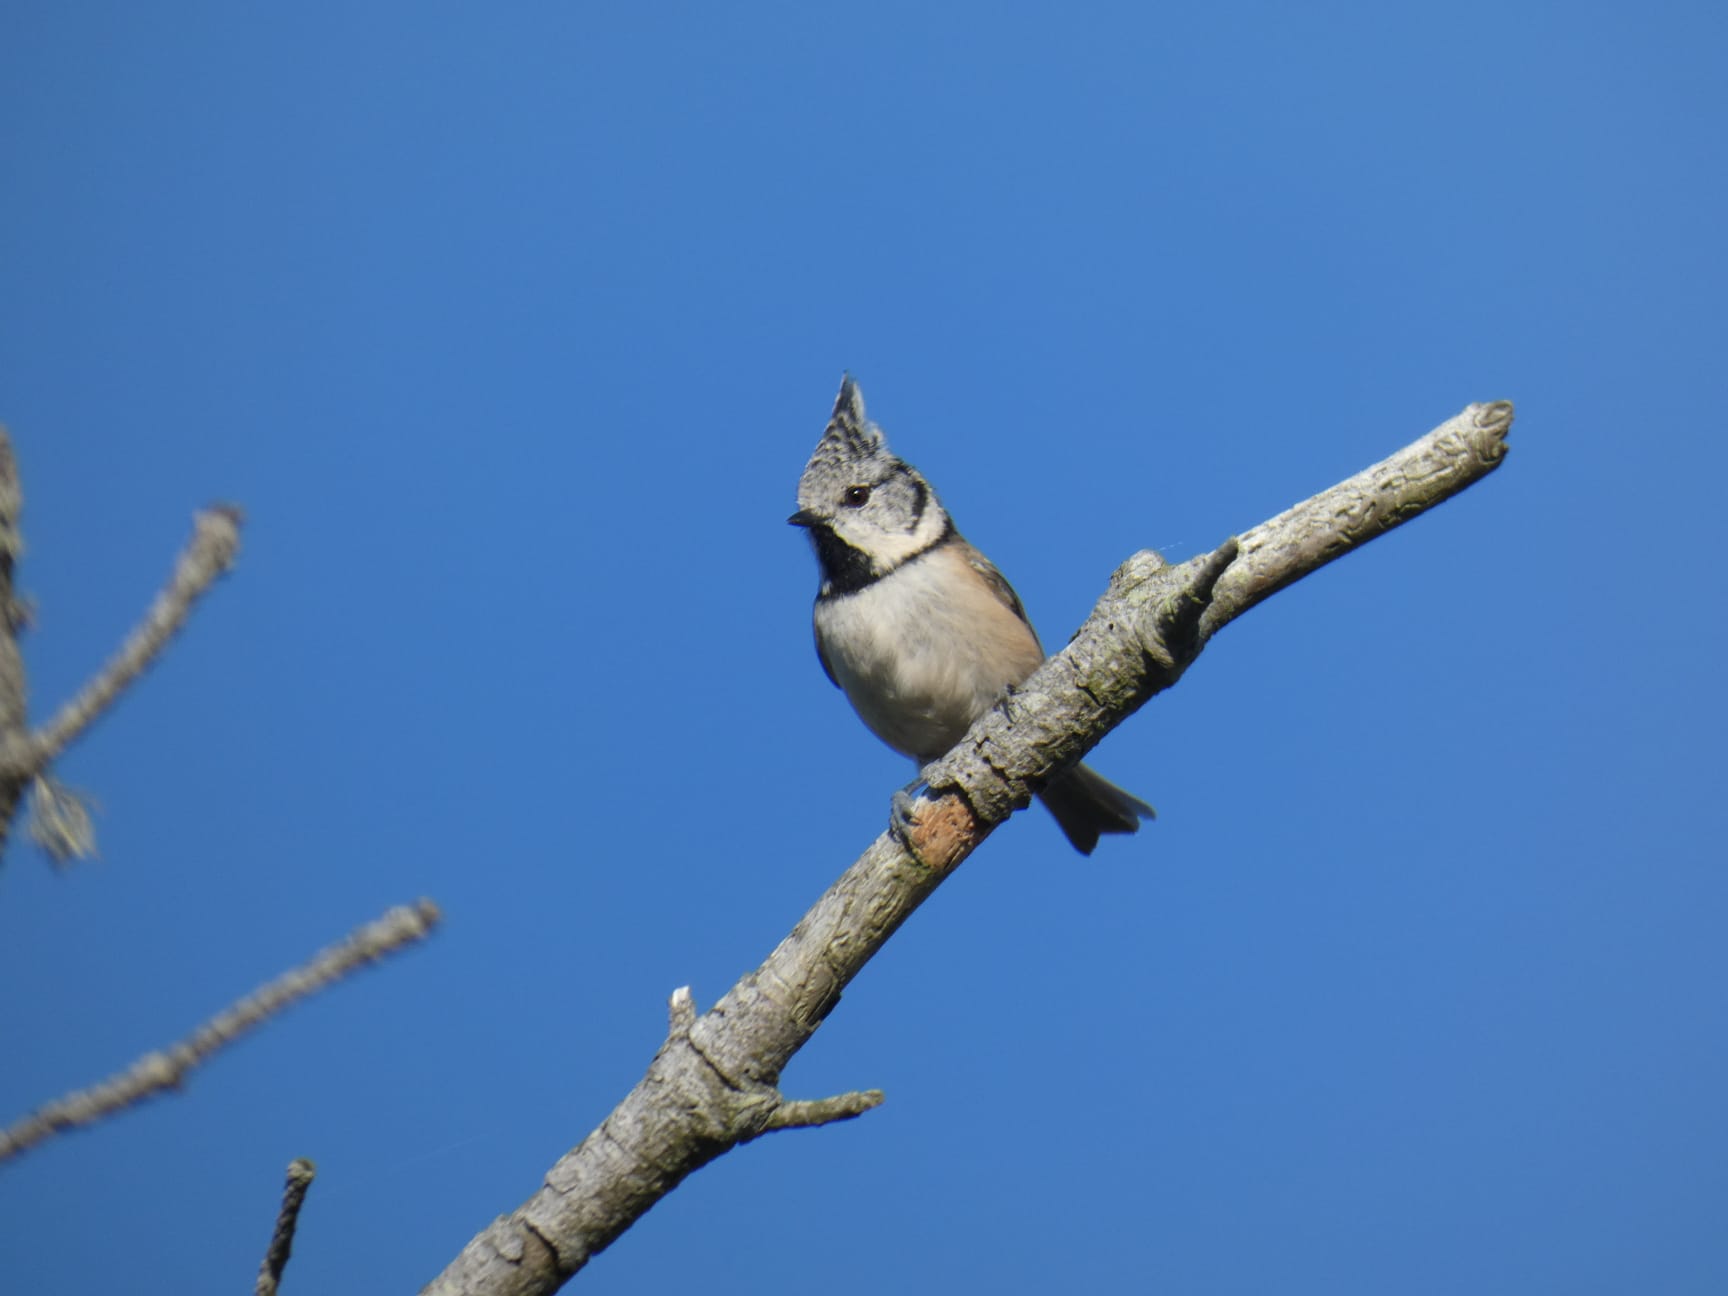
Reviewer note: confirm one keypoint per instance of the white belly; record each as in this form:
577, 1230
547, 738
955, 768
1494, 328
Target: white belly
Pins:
921, 654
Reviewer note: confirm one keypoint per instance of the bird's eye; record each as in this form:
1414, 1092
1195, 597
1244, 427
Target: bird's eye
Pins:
856, 496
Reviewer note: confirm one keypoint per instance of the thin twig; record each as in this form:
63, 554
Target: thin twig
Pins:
301, 1172
14, 720
210, 553
156, 1072
806, 1112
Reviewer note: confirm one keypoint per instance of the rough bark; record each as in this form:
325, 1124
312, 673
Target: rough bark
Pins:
713, 1084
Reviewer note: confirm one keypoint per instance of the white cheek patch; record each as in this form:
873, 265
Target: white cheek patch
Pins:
888, 549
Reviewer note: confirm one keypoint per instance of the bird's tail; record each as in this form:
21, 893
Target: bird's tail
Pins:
1087, 804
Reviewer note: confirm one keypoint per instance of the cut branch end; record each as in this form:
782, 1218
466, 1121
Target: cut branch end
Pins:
680, 1012
301, 1172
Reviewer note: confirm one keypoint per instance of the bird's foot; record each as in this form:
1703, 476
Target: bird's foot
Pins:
901, 806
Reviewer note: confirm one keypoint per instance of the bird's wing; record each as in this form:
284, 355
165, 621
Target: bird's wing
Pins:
998, 584
823, 658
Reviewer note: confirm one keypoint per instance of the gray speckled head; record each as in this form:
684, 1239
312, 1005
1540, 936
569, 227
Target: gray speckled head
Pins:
867, 510
848, 442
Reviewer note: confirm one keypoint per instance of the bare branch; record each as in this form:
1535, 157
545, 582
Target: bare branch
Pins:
61, 823
713, 1087
301, 1172
1155, 619
209, 554
1459, 452
14, 717
803, 1114
156, 1072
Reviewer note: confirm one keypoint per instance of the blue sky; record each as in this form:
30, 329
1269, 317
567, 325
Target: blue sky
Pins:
511, 330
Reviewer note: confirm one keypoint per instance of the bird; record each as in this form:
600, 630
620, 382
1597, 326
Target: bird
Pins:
915, 625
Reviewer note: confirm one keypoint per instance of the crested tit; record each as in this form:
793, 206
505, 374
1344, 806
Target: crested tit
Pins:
919, 629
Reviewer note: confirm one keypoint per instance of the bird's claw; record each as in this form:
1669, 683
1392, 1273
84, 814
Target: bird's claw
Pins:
901, 805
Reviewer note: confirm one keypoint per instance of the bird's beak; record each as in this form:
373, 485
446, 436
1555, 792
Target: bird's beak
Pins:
804, 518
